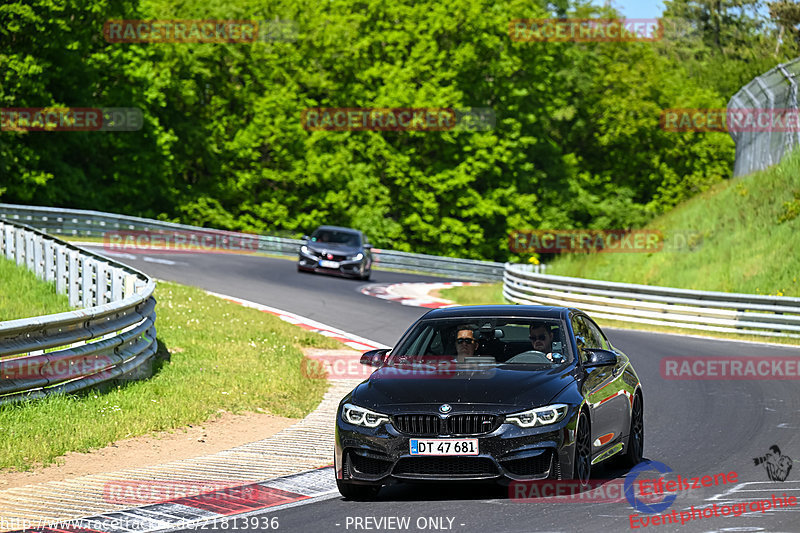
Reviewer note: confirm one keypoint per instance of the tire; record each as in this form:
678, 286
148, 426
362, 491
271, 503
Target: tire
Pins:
634, 451
366, 276
582, 463
357, 492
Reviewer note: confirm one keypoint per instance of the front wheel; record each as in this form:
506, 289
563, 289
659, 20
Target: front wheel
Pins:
635, 449
582, 465
355, 492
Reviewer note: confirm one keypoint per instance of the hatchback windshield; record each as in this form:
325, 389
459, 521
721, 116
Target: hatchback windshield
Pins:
485, 340
336, 237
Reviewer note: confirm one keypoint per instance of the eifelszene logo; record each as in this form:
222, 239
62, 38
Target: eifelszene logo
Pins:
637, 503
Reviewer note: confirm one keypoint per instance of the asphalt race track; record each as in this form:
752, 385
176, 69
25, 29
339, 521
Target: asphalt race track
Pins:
695, 427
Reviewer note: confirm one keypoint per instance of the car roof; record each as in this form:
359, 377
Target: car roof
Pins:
338, 228
527, 311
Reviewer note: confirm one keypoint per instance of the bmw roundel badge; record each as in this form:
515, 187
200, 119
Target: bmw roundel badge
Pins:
445, 408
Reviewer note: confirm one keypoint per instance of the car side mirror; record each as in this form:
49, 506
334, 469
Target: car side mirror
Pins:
367, 246
305, 237
600, 357
374, 357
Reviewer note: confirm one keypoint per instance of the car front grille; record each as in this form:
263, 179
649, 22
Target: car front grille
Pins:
471, 424
461, 424
419, 425
445, 467
530, 466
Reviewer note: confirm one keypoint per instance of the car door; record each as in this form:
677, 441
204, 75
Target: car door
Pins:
603, 390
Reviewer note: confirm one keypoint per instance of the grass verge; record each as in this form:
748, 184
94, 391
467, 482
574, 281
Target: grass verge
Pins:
224, 358
23, 295
483, 294
745, 239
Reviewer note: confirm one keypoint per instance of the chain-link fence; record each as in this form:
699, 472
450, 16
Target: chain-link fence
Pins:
775, 94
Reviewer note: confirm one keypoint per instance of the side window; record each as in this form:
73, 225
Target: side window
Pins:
580, 330
599, 341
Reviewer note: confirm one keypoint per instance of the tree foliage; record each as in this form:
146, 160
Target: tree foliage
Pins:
576, 143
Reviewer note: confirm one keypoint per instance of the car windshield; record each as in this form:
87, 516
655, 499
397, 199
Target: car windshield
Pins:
485, 340
336, 237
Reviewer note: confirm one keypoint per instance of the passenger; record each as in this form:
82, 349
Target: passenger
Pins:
541, 337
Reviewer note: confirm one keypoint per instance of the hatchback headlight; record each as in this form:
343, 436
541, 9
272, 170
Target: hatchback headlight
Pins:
358, 257
541, 416
359, 416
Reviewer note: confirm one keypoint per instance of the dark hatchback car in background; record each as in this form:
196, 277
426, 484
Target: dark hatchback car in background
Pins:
506, 412
336, 250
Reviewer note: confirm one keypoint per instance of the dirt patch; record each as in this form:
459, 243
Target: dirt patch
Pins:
436, 293
224, 432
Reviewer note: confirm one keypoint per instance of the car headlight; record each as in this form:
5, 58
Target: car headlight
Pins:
304, 250
358, 257
541, 416
359, 416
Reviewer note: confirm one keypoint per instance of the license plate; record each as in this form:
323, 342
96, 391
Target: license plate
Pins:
443, 446
329, 264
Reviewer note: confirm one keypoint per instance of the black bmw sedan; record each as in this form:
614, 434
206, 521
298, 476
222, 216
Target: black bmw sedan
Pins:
504, 393
336, 250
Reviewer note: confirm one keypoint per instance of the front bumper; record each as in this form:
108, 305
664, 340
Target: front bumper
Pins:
510, 453
346, 268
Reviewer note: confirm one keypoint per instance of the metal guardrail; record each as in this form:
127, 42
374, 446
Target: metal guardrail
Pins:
775, 316
78, 222
112, 336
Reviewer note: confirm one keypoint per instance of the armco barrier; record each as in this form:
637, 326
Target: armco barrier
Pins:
751, 314
111, 336
77, 222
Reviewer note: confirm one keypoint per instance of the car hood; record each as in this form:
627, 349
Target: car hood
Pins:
521, 386
334, 248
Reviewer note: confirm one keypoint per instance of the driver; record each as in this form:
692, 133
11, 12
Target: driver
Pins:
466, 343
541, 337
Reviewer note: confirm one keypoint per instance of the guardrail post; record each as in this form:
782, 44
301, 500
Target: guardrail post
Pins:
38, 260
9, 231
129, 285
116, 285
101, 287
49, 260
29, 254
86, 281
73, 280
61, 268
19, 246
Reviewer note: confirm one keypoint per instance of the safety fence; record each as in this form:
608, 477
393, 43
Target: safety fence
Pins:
775, 316
774, 91
95, 224
111, 336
